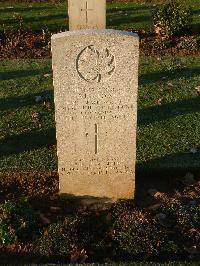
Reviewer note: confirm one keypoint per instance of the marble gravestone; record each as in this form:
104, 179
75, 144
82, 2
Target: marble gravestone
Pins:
87, 14
95, 76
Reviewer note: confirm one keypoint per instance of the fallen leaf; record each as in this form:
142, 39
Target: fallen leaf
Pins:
152, 191
154, 207
193, 230
55, 209
35, 116
24, 130
159, 195
47, 104
54, 197
170, 84
159, 101
47, 75
197, 88
158, 29
78, 256
44, 219
192, 250
193, 150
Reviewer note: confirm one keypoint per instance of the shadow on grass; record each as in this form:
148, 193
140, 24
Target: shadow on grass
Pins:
22, 73
28, 141
163, 179
164, 174
169, 75
35, 19
196, 11
10, 103
54, 27
29, 258
180, 160
195, 28
131, 8
166, 111
10, 257
127, 19
24, 9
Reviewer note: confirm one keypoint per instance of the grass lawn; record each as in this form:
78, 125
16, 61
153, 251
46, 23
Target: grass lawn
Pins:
168, 133
132, 264
168, 115
53, 17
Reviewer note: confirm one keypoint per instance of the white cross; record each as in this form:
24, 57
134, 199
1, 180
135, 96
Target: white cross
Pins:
87, 14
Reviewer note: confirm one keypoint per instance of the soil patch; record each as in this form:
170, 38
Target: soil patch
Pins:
42, 188
42, 191
32, 44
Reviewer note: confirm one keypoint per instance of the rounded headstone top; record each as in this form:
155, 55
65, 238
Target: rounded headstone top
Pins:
94, 32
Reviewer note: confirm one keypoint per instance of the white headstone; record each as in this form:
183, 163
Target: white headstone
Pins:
87, 14
95, 81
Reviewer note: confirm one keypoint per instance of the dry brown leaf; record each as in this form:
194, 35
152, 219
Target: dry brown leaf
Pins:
55, 209
47, 75
44, 219
197, 88
158, 29
159, 195
159, 101
152, 191
78, 256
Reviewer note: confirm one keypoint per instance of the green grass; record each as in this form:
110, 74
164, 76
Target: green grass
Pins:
53, 17
165, 134
23, 144
133, 264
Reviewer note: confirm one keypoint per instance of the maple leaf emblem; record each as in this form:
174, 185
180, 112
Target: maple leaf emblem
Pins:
95, 65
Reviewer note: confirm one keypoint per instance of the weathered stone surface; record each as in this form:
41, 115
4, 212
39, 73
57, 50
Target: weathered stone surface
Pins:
87, 14
95, 81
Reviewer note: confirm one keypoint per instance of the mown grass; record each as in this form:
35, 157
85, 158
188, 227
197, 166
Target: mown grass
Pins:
37, 16
132, 264
176, 263
168, 115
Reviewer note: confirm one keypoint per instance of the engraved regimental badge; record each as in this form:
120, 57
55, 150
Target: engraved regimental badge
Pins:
95, 65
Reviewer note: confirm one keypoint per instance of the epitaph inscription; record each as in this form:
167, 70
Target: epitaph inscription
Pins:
95, 65
95, 85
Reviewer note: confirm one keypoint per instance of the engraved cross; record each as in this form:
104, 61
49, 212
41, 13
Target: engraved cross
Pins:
86, 11
96, 138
